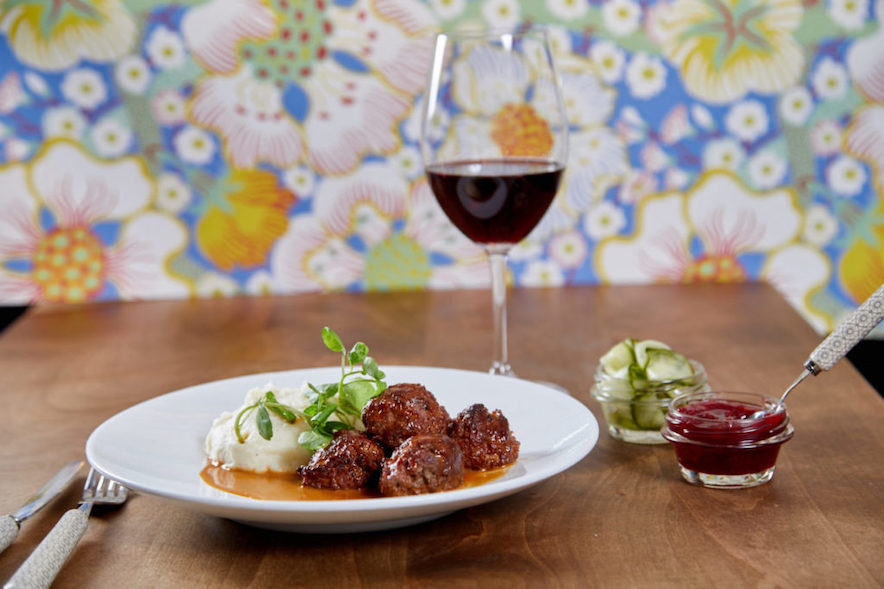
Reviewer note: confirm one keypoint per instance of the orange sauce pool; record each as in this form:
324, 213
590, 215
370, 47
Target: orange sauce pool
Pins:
288, 487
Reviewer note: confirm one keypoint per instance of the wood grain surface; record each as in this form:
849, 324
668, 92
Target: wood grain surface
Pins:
622, 517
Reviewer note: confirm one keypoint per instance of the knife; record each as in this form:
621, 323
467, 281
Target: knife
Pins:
10, 524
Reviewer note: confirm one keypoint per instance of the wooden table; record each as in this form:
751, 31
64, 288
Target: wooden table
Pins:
622, 517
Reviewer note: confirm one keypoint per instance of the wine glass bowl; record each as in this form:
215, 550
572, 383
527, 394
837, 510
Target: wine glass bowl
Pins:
494, 144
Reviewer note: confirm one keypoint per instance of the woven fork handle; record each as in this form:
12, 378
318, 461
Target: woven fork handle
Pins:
41, 567
850, 331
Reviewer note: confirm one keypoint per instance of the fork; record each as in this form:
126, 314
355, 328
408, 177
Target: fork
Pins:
41, 567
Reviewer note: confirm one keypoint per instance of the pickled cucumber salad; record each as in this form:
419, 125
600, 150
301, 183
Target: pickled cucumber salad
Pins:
645, 360
636, 379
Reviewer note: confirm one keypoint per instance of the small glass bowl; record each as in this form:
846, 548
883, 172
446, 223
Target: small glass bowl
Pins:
635, 412
718, 442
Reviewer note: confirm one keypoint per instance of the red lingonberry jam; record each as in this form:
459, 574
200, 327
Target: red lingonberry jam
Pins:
716, 433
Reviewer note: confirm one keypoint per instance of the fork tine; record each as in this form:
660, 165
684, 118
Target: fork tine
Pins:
89, 488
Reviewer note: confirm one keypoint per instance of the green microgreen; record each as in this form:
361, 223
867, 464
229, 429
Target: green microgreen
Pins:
333, 406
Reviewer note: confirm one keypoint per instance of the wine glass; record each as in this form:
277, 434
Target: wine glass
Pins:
494, 141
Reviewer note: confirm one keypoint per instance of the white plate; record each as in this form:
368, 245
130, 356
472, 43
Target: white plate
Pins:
156, 447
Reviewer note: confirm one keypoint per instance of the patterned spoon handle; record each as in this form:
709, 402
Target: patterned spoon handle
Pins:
848, 333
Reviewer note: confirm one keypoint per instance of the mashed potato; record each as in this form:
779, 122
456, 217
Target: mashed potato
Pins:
281, 453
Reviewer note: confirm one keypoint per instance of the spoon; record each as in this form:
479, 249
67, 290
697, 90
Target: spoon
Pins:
847, 334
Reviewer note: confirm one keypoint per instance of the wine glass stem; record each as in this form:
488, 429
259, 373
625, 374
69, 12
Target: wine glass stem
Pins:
498, 262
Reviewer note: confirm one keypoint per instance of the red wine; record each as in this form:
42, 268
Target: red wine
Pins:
495, 201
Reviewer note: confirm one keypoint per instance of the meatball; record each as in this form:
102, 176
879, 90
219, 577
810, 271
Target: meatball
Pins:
401, 411
485, 438
423, 464
348, 462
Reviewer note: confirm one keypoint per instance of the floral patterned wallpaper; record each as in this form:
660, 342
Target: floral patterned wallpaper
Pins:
154, 149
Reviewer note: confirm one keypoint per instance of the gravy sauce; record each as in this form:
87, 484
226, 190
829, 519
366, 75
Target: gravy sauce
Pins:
288, 487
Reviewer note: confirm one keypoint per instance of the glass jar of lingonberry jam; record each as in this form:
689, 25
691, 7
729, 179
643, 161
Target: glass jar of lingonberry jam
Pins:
727, 440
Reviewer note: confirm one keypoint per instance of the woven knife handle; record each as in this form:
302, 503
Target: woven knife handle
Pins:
850, 331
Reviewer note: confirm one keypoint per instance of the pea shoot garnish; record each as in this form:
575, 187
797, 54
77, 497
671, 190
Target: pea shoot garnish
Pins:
333, 406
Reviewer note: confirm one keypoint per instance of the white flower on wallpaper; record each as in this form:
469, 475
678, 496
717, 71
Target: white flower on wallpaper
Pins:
74, 257
645, 76
173, 193
609, 61
84, 88
165, 49
820, 226
795, 105
604, 220
194, 145
568, 249
829, 79
568, 9
725, 154
747, 120
846, 176
133, 74
169, 107
64, 122
767, 169
826, 137
447, 9
849, 14
545, 273
503, 14
621, 17
300, 179
111, 138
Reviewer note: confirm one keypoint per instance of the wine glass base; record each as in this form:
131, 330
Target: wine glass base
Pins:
501, 369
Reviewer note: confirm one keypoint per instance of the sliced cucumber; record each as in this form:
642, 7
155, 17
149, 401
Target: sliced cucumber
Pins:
647, 412
667, 365
619, 414
644, 348
617, 360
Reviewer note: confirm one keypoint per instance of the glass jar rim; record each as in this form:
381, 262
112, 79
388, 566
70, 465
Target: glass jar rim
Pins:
766, 402
705, 426
603, 381
782, 436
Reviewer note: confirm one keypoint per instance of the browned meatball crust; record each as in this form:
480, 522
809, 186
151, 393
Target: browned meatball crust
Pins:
401, 411
422, 464
485, 438
348, 462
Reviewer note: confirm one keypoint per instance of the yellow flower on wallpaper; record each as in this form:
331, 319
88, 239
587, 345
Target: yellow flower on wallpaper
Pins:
53, 35
246, 212
861, 269
727, 48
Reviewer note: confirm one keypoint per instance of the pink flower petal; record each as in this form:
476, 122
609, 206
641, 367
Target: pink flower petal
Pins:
214, 30
253, 132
